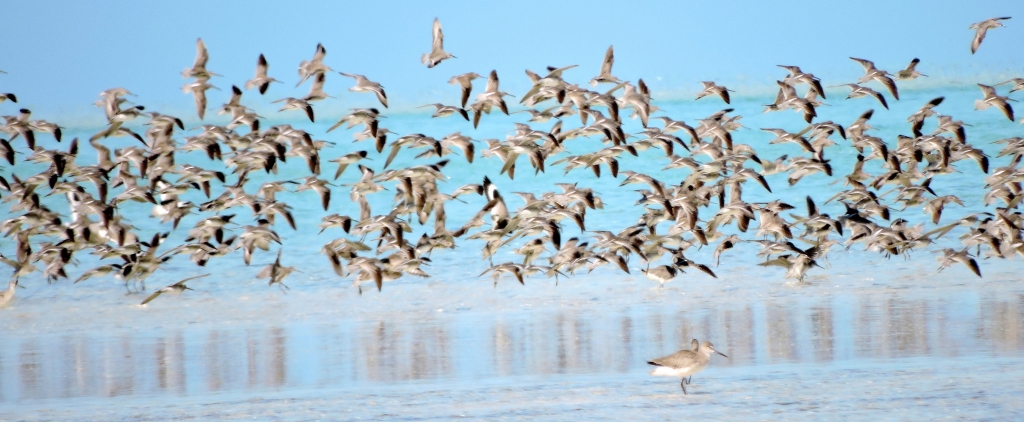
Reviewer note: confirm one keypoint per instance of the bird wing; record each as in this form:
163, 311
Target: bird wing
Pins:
438, 35
878, 96
890, 84
988, 91
261, 67
609, 60
320, 53
705, 269
466, 90
913, 64
181, 282
979, 36
492, 82
200, 97
308, 109
201, 55
868, 65
1005, 108
151, 297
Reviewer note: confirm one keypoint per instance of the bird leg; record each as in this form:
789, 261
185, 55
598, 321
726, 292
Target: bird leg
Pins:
688, 379
683, 386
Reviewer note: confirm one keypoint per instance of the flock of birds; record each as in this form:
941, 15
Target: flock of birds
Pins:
704, 207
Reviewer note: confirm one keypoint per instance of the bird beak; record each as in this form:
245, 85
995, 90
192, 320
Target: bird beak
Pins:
723, 354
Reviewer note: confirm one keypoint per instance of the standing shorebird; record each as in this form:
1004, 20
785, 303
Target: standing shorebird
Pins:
685, 363
662, 274
7, 297
175, 288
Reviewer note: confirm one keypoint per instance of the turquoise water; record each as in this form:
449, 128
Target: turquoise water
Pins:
865, 336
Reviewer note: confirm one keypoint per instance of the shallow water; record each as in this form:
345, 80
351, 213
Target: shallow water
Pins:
844, 343
867, 336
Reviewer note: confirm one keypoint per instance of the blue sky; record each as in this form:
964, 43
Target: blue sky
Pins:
60, 55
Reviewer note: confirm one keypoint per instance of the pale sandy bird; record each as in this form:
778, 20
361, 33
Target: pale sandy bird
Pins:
910, 72
437, 53
441, 110
316, 89
870, 72
198, 90
8, 296
685, 363
1018, 84
711, 89
366, 116
796, 76
516, 270
981, 29
347, 159
662, 274
465, 81
916, 120
605, 77
320, 186
198, 69
935, 206
858, 91
276, 272
314, 66
951, 256
993, 99
175, 289
297, 104
261, 80
366, 85
796, 265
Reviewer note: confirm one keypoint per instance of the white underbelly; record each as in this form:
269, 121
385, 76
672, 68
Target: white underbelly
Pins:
664, 371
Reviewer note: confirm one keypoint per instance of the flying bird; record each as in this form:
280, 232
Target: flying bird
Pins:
910, 72
606, 69
981, 28
993, 99
366, 85
437, 53
261, 79
175, 288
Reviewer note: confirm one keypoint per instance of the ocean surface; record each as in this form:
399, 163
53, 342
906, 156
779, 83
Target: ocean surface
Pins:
867, 336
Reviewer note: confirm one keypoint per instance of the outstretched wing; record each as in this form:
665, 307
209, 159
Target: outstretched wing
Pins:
438, 35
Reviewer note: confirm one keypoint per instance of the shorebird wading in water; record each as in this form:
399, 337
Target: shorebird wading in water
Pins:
685, 363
